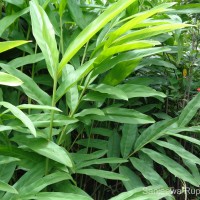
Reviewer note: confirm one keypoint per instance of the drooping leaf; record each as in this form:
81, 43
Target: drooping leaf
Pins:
189, 164
102, 173
26, 179
8, 20
188, 138
26, 60
103, 88
89, 111
157, 62
38, 185
21, 116
127, 56
123, 115
9, 80
46, 148
148, 172
43, 119
7, 188
80, 157
31, 89
109, 160
189, 111
141, 44
183, 153
39, 107
7, 159
95, 143
175, 168
4, 46
133, 90
152, 133
26, 159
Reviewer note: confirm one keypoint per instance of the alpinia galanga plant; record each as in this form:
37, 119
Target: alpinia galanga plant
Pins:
75, 128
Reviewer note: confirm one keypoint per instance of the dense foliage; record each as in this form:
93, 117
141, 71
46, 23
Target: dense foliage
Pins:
99, 99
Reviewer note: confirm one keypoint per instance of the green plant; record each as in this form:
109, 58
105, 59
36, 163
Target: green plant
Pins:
77, 124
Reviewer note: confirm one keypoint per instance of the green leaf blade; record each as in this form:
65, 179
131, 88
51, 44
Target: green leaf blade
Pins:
171, 165
46, 148
7, 188
21, 116
45, 36
9, 80
92, 29
4, 46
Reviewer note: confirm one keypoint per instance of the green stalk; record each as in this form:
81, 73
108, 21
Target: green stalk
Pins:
61, 37
74, 111
24, 53
51, 122
53, 105
82, 93
32, 76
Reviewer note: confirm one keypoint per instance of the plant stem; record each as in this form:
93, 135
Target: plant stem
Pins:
52, 112
46, 166
51, 122
61, 37
32, 76
74, 111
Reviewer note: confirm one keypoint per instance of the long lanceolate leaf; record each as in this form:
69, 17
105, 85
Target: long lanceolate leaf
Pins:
132, 23
152, 133
149, 32
8, 20
123, 115
171, 165
7, 79
179, 149
30, 88
26, 60
189, 111
92, 29
102, 173
127, 56
46, 148
4, 46
144, 193
41, 183
7, 188
45, 36
21, 116
148, 172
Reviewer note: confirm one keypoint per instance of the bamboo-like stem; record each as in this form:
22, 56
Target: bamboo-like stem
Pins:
74, 111
53, 111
